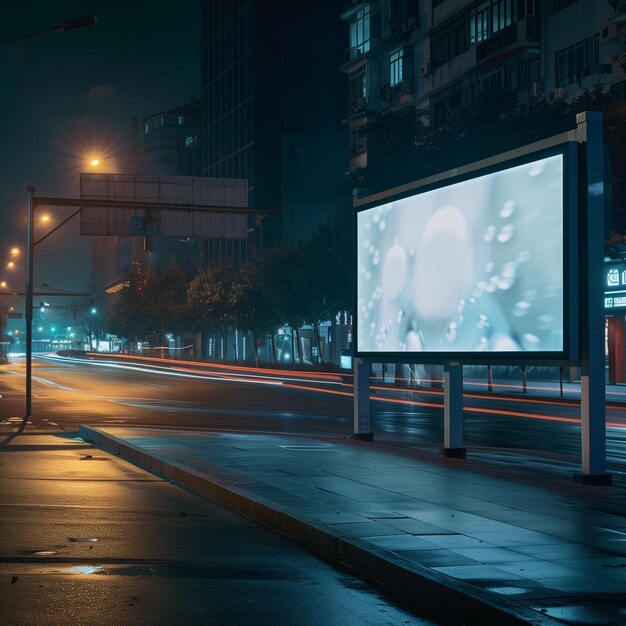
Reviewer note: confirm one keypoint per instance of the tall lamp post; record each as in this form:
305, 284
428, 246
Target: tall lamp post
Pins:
29, 303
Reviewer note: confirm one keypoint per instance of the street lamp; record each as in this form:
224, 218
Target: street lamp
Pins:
63, 26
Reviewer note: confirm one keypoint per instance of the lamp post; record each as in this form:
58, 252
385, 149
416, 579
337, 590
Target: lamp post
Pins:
29, 302
62, 26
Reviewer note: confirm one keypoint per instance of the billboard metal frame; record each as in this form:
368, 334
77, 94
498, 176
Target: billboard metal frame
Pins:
588, 183
570, 353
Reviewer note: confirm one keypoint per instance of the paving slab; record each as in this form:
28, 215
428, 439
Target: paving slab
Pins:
474, 542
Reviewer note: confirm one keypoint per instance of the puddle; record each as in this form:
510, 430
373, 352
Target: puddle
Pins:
82, 539
44, 553
84, 569
507, 591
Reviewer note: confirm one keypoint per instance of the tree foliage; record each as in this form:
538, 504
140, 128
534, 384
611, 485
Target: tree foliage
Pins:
406, 146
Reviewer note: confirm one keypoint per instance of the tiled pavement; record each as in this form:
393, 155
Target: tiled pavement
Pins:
479, 543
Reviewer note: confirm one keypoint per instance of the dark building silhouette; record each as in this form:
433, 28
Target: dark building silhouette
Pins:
169, 142
273, 100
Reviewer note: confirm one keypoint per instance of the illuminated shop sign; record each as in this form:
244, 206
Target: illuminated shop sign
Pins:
615, 287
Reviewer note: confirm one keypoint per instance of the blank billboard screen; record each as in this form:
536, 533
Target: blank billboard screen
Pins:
477, 266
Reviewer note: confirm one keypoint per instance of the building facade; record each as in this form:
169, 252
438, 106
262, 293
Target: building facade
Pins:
273, 102
443, 54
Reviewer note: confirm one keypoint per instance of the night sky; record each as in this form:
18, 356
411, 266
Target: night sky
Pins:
67, 96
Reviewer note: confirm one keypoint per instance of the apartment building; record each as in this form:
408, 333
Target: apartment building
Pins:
443, 54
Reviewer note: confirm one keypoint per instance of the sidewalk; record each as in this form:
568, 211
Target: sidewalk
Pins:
474, 542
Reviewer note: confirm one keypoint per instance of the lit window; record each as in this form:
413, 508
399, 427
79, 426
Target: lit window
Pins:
395, 68
360, 31
146, 129
190, 141
180, 119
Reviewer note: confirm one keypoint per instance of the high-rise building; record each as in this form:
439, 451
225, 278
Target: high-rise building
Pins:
273, 100
166, 143
443, 54
169, 142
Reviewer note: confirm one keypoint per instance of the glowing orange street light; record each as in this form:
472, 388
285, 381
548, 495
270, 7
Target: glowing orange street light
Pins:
15, 251
94, 162
10, 265
45, 218
3, 284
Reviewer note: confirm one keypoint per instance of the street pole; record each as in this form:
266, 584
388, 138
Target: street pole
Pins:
29, 303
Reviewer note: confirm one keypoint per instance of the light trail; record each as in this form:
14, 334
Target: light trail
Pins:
272, 372
291, 384
166, 371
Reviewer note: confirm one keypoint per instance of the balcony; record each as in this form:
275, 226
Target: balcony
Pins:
496, 43
357, 106
394, 94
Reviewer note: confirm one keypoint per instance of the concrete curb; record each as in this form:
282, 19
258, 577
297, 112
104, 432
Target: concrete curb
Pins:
447, 597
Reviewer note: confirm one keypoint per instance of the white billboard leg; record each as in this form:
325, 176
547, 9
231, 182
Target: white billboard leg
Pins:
453, 411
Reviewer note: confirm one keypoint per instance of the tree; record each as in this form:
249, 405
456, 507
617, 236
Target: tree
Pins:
209, 302
256, 296
403, 150
165, 301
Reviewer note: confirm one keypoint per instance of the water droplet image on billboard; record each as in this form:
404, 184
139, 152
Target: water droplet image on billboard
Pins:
474, 266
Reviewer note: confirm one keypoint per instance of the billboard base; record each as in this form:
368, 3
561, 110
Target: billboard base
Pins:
598, 480
363, 436
454, 453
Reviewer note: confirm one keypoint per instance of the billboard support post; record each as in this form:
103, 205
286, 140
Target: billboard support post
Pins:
592, 380
362, 418
453, 411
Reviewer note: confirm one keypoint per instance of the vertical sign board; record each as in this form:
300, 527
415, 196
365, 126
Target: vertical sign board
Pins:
171, 190
615, 288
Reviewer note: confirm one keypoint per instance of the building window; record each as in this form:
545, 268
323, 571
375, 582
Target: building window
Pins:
479, 23
395, 68
490, 17
577, 61
358, 140
449, 42
360, 31
180, 120
146, 129
357, 90
501, 14
402, 13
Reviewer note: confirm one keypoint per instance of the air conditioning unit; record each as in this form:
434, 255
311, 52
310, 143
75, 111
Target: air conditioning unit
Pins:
609, 32
425, 69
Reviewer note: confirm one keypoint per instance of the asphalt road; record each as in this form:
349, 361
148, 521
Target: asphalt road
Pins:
90, 539
67, 393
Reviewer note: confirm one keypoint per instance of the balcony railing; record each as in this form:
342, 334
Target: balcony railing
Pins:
499, 41
357, 106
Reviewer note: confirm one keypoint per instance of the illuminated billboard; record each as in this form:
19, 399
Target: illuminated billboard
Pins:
479, 268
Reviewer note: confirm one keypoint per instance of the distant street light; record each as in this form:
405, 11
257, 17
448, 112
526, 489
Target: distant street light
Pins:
65, 25
94, 162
